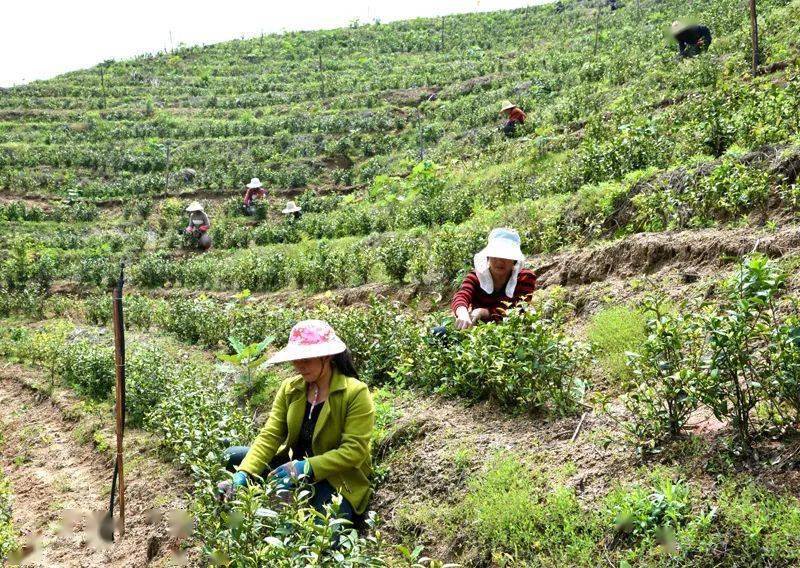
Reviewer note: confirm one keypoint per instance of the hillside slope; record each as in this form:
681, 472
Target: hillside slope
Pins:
643, 410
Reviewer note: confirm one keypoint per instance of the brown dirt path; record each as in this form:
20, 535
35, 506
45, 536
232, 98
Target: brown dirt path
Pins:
54, 477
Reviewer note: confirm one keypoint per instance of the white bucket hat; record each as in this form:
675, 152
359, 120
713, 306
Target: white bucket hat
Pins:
255, 183
194, 206
503, 243
291, 207
309, 338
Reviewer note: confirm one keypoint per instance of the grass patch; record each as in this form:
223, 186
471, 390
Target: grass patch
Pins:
612, 332
514, 515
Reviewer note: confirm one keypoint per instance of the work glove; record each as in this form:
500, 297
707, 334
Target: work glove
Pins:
188, 230
203, 228
292, 470
227, 488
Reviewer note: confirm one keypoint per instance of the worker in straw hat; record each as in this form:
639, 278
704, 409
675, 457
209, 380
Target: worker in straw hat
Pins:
198, 226
498, 281
254, 190
514, 116
320, 426
692, 38
293, 210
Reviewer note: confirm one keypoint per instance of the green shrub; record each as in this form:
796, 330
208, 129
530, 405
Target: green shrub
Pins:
663, 384
395, 253
87, 366
745, 352
525, 361
650, 513
8, 535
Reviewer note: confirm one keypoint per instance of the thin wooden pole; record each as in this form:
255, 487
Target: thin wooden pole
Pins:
754, 33
597, 26
119, 406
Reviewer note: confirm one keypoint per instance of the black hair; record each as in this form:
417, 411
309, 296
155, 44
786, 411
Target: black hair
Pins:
344, 364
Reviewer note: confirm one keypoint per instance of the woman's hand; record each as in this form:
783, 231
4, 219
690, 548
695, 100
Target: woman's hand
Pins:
463, 318
226, 489
479, 314
291, 470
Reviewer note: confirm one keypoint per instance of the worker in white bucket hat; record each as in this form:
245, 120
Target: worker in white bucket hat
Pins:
198, 226
498, 281
254, 190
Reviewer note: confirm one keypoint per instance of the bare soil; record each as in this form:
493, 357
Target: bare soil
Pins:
61, 485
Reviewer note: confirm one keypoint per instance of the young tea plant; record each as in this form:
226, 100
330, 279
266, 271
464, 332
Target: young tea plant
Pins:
246, 360
663, 388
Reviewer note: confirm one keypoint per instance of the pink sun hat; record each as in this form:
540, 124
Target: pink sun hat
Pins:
309, 338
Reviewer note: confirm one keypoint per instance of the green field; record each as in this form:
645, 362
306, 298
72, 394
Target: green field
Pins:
642, 410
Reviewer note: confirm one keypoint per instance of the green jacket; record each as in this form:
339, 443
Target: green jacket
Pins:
341, 441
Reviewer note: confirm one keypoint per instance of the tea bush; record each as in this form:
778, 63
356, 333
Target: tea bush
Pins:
525, 361
664, 383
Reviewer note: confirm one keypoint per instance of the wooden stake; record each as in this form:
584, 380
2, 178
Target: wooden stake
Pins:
578, 429
754, 34
119, 406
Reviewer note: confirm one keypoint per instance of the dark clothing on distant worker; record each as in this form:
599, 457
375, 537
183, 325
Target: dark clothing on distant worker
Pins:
693, 40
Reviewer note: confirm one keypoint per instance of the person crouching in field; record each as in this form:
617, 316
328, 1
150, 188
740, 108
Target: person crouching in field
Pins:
692, 39
254, 191
514, 116
325, 417
497, 282
199, 225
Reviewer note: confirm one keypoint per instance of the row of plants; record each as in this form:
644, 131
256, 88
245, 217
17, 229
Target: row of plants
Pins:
737, 355
196, 413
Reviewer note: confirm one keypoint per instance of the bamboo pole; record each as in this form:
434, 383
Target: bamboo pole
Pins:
119, 407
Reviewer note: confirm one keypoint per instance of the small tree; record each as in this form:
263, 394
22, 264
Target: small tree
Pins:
246, 360
664, 389
740, 363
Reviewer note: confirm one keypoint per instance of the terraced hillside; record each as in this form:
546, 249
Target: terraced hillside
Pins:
641, 410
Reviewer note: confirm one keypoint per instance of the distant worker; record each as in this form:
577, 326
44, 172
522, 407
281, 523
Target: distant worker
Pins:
293, 210
254, 190
514, 116
498, 282
692, 39
199, 225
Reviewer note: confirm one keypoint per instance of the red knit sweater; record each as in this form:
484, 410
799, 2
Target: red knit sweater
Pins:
517, 114
472, 296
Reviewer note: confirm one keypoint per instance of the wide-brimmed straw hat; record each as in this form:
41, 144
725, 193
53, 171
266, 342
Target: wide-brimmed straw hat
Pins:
503, 243
291, 207
507, 105
194, 206
308, 339
255, 183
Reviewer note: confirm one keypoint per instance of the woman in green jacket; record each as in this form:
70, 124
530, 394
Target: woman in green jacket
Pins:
325, 417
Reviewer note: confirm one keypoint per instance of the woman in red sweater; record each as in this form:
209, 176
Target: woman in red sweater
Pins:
497, 282
514, 116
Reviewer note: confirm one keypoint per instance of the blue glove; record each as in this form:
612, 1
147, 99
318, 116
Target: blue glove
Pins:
226, 489
239, 479
293, 470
